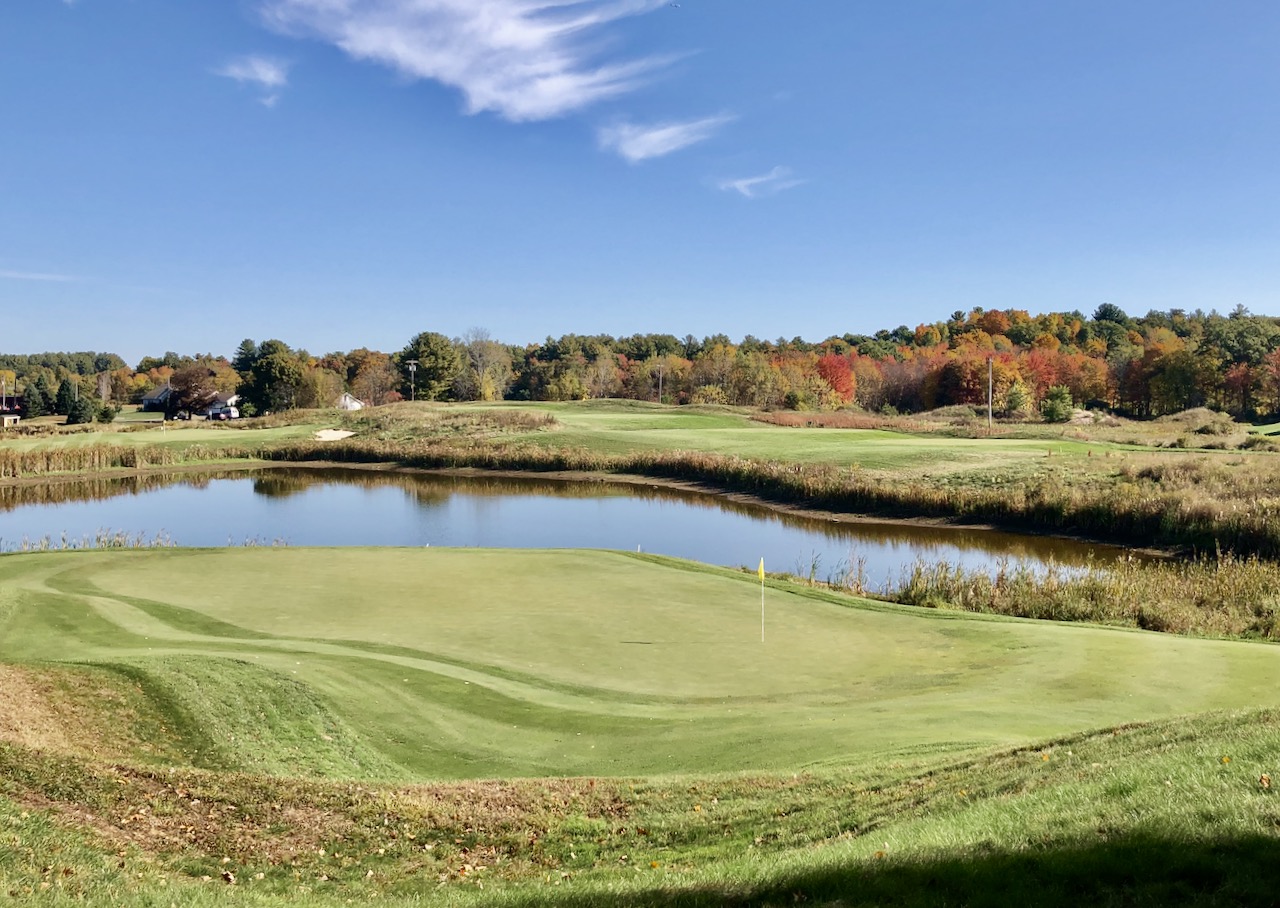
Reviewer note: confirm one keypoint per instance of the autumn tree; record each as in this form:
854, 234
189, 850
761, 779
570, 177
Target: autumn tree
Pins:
318, 388
193, 389
485, 371
376, 379
837, 372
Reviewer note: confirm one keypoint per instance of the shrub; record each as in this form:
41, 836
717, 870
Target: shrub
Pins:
1057, 405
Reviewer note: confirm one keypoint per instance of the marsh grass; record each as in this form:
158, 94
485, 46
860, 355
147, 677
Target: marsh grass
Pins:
1215, 597
48, 460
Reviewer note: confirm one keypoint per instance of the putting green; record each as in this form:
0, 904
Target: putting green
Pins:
467, 663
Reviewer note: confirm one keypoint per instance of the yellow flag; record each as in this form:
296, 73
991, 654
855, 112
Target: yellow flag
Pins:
761, 569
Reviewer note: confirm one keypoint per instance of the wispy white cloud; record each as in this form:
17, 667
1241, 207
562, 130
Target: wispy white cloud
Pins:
267, 73
521, 59
37, 276
775, 181
639, 143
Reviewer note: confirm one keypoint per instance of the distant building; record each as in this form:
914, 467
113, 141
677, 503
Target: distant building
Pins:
223, 403
347, 402
12, 409
157, 398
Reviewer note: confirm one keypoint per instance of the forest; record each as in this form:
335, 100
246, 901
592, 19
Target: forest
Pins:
1041, 366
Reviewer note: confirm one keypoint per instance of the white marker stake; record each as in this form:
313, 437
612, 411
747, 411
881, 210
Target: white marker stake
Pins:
760, 571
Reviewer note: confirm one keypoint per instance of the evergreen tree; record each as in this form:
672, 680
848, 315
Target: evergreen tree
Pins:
246, 356
44, 392
83, 410
66, 398
34, 402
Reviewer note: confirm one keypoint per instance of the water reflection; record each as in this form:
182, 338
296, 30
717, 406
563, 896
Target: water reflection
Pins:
361, 507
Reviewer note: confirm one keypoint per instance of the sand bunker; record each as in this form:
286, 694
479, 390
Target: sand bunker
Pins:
332, 434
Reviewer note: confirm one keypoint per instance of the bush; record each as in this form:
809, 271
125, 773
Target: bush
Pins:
1017, 399
1057, 405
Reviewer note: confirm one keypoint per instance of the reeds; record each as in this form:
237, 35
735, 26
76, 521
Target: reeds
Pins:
1218, 597
102, 539
43, 461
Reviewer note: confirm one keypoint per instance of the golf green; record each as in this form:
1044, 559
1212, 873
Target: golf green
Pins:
470, 663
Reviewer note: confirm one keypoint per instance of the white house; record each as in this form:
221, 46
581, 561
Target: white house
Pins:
347, 402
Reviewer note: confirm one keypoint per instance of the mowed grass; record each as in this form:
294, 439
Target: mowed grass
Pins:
617, 427
436, 663
174, 435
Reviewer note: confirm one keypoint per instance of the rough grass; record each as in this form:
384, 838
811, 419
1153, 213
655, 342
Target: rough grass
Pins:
1171, 813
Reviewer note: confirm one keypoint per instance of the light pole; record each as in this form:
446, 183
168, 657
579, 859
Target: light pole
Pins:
413, 378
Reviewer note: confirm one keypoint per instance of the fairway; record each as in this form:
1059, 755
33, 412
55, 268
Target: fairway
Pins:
470, 663
173, 434
612, 427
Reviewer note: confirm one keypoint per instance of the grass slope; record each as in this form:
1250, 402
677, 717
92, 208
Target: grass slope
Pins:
404, 663
1172, 813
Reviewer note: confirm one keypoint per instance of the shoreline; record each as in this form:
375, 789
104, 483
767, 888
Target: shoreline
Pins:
585, 476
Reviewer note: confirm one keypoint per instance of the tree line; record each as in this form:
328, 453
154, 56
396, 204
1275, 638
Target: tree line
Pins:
1146, 366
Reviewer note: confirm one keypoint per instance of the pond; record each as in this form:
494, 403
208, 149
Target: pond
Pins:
352, 507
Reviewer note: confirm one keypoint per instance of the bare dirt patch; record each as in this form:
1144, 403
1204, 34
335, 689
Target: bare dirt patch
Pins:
26, 716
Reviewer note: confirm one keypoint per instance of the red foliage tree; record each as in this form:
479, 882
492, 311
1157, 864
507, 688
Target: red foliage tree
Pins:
837, 371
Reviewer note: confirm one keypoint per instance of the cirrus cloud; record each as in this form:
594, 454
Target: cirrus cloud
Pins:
521, 59
639, 143
37, 276
775, 181
267, 73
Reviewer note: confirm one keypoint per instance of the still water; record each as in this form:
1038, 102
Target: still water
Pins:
355, 507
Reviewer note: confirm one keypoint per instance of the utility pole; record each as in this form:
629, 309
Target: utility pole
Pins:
413, 378
659, 382
989, 394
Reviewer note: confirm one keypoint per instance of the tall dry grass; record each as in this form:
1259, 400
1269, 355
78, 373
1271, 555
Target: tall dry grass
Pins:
15, 464
1218, 597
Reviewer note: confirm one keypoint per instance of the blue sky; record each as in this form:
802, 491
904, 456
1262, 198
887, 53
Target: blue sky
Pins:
181, 174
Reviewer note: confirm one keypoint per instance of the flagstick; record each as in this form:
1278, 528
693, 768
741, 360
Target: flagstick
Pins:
762, 611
